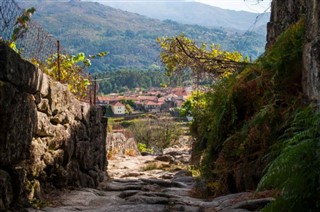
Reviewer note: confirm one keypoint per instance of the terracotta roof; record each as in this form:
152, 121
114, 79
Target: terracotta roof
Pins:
180, 92
150, 98
110, 98
171, 96
118, 104
102, 98
152, 103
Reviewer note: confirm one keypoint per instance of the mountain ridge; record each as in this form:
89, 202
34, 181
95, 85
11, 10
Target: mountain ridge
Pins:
130, 38
190, 12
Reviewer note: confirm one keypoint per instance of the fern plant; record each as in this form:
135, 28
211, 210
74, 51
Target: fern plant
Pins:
296, 171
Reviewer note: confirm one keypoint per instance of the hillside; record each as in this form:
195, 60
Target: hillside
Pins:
190, 12
130, 38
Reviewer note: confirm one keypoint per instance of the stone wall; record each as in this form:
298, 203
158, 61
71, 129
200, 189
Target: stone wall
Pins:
48, 139
283, 14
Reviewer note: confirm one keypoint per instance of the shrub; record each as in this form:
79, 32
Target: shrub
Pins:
112, 153
143, 148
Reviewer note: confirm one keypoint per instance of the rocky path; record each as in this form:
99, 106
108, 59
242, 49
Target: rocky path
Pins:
149, 184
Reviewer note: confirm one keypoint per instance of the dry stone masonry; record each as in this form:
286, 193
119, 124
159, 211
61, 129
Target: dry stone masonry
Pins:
48, 139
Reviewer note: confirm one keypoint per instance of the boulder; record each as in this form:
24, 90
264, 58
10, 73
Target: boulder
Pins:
60, 118
44, 127
165, 158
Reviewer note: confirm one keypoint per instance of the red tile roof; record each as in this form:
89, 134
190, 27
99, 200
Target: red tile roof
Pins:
118, 104
153, 103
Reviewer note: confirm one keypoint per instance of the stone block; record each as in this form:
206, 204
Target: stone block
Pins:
18, 118
44, 89
21, 73
44, 107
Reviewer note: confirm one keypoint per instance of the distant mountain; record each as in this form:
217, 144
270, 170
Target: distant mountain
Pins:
130, 38
190, 12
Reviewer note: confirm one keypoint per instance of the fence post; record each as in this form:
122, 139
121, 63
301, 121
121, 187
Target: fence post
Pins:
90, 87
58, 52
95, 90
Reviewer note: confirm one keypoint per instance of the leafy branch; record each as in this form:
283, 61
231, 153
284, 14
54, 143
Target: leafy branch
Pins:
179, 53
71, 71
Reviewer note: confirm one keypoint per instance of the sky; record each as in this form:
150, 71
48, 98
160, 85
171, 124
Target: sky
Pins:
247, 5
255, 6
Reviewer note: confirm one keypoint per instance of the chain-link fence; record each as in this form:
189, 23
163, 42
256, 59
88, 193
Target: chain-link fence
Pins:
35, 43
9, 11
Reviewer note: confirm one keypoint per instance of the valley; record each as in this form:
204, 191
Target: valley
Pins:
168, 116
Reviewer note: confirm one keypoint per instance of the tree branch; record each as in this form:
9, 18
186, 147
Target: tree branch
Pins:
209, 59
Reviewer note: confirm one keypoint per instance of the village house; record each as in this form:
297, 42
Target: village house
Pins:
152, 106
118, 108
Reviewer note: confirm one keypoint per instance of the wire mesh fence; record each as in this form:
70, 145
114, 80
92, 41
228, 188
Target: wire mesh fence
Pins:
36, 43
9, 11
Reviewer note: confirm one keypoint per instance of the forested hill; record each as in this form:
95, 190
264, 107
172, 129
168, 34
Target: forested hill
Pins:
130, 38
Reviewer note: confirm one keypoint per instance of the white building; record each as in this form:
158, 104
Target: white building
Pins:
118, 109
